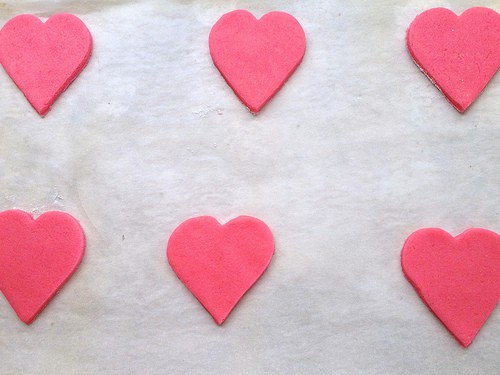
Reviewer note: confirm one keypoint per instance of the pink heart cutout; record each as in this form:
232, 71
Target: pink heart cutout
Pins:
44, 58
36, 258
457, 278
459, 54
220, 263
256, 57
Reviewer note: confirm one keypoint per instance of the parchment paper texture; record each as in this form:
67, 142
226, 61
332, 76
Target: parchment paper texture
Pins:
356, 152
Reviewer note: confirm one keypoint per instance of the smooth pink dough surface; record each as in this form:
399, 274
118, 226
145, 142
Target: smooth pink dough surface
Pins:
256, 57
457, 277
44, 58
37, 257
220, 263
460, 54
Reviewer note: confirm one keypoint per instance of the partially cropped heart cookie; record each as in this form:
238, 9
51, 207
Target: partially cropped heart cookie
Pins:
44, 58
457, 278
220, 263
256, 57
459, 54
36, 258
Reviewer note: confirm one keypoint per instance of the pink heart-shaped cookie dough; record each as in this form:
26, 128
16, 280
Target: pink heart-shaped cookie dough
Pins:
36, 258
220, 263
44, 58
457, 278
459, 54
256, 57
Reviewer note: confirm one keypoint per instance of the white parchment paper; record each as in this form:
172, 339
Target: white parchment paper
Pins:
356, 152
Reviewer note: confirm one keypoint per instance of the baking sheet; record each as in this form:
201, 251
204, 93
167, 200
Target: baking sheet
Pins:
357, 151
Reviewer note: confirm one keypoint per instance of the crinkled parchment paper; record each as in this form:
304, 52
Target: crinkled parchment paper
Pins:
357, 151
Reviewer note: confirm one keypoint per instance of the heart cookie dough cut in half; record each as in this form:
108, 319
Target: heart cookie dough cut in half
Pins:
220, 263
458, 278
256, 57
44, 58
459, 54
